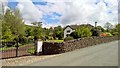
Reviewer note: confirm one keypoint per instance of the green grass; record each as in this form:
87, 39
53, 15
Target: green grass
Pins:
54, 40
8, 48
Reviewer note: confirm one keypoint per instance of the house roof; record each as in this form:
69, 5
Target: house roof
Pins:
68, 26
76, 26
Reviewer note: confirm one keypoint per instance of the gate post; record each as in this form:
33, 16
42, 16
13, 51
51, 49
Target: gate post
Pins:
38, 46
17, 49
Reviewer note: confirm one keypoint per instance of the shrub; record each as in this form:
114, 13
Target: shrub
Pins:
8, 44
81, 32
31, 50
74, 35
23, 40
109, 34
115, 33
68, 38
103, 34
106, 34
95, 32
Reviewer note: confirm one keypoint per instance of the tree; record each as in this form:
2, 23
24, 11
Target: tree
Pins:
116, 30
6, 32
38, 31
39, 24
12, 24
81, 32
108, 26
95, 32
58, 32
29, 31
100, 28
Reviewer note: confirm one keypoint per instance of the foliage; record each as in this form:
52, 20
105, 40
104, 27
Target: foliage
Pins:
117, 27
68, 38
38, 31
58, 32
81, 32
29, 31
31, 50
108, 26
12, 25
115, 30
106, 34
109, 34
95, 32
100, 28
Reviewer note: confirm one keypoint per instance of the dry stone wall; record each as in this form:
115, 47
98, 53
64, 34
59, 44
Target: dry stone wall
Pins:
57, 48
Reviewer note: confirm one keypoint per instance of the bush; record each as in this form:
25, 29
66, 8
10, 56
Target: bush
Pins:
31, 50
115, 33
81, 32
39, 37
68, 38
106, 34
8, 44
109, 34
74, 35
103, 34
95, 32
23, 40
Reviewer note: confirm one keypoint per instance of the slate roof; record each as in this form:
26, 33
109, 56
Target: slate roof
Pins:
75, 26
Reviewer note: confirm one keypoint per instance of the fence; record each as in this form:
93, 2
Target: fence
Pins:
13, 49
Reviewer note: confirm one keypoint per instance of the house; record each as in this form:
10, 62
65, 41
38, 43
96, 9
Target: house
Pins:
68, 30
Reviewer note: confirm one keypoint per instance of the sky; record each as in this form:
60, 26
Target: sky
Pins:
66, 12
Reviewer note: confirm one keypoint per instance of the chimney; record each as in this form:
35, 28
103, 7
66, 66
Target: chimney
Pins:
95, 24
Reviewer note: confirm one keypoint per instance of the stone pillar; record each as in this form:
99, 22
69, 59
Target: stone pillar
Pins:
38, 46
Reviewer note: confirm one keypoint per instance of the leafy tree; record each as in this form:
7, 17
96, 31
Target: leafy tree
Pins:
108, 26
29, 31
117, 27
58, 32
116, 30
38, 31
48, 33
100, 28
12, 24
6, 33
81, 32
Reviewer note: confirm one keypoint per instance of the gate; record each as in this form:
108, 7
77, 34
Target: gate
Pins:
12, 49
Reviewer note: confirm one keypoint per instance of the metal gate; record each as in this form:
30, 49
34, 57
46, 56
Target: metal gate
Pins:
14, 50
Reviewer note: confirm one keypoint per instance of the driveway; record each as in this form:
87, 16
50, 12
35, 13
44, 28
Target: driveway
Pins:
99, 55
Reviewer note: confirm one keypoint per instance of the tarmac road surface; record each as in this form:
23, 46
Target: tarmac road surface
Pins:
99, 55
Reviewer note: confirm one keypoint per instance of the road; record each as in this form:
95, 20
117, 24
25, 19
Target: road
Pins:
99, 55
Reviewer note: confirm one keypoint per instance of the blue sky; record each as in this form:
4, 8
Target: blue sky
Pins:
62, 12
48, 18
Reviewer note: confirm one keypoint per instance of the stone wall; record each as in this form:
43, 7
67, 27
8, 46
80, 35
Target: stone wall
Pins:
57, 48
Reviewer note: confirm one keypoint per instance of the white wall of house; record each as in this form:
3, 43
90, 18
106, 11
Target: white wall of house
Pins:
66, 31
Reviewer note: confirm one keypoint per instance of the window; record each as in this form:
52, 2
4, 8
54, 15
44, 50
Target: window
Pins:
68, 31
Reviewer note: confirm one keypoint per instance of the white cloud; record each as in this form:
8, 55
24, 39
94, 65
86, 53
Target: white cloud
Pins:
3, 6
29, 11
73, 11
88, 12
